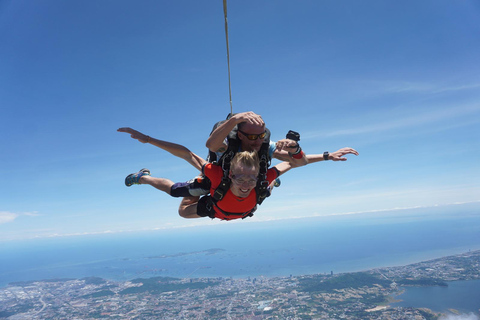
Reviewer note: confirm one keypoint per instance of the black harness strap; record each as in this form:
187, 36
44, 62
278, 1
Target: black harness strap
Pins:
226, 160
211, 204
262, 183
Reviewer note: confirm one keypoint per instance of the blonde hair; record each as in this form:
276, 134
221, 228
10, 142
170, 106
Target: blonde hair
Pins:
245, 158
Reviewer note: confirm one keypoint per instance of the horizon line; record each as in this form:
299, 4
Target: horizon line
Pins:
217, 222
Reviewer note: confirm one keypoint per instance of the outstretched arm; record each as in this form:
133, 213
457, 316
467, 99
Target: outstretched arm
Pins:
312, 158
334, 156
215, 142
173, 148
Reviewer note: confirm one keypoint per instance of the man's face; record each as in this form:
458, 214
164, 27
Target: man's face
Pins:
251, 129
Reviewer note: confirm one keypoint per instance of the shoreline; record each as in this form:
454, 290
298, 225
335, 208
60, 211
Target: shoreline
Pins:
356, 295
138, 275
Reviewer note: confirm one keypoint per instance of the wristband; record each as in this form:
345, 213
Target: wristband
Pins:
298, 155
298, 149
326, 154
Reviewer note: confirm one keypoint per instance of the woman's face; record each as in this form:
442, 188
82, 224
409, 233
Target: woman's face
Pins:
244, 180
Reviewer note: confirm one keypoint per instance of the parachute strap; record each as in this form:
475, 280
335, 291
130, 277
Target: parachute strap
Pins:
227, 158
262, 183
221, 189
228, 54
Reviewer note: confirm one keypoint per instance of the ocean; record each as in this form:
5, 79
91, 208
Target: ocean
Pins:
461, 296
343, 243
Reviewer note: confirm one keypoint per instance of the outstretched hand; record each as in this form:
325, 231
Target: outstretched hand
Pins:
135, 134
338, 155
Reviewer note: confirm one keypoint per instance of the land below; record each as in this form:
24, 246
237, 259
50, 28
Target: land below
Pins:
358, 295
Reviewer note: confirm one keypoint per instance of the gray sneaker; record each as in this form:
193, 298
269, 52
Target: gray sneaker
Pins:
133, 178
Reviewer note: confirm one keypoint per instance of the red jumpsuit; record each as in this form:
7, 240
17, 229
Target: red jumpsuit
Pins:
235, 207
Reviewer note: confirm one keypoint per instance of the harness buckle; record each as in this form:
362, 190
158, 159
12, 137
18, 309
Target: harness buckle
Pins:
218, 194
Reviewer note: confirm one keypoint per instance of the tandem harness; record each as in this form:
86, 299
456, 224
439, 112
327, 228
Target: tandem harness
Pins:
261, 188
209, 208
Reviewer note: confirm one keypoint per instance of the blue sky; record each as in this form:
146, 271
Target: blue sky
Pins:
398, 81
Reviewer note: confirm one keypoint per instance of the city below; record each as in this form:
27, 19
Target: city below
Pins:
359, 295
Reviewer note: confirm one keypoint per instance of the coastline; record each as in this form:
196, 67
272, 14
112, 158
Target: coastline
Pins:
360, 295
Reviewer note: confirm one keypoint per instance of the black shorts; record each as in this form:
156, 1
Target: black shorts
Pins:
198, 186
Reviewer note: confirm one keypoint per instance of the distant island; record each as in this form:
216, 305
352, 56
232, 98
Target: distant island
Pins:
358, 295
182, 254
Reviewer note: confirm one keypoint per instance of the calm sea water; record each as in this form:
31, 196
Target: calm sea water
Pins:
463, 296
282, 248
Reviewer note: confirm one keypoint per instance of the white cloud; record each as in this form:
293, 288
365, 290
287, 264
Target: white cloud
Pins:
458, 88
273, 216
469, 316
378, 87
6, 217
373, 200
31, 214
414, 120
